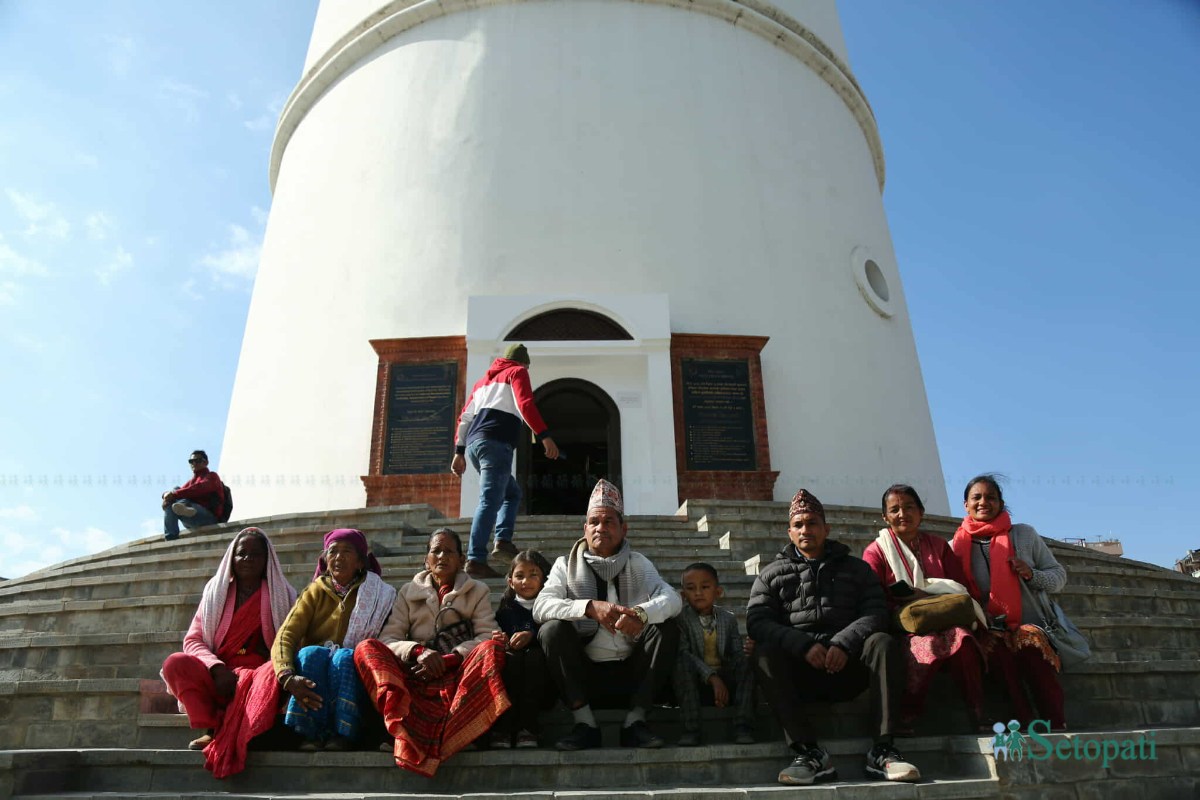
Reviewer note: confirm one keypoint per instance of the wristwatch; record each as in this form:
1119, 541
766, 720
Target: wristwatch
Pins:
641, 614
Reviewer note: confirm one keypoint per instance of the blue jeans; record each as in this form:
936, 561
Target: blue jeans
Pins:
171, 520
499, 495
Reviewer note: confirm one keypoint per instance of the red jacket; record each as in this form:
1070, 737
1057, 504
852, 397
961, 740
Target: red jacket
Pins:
499, 404
204, 488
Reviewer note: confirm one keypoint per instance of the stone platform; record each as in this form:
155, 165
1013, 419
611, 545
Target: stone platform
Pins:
84, 714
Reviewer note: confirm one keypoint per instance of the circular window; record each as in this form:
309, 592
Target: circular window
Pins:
872, 282
876, 281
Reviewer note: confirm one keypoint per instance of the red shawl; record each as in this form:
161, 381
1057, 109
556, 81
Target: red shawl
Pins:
255, 703
244, 629
1006, 588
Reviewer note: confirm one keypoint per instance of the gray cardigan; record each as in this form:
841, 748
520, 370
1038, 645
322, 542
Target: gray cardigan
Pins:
1048, 575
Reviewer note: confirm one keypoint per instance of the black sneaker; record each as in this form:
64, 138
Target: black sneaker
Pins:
809, 766
581, 737
638, 735
885, 763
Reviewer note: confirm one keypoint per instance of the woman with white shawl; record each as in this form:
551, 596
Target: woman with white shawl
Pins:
241, 607
911, 565
313, 656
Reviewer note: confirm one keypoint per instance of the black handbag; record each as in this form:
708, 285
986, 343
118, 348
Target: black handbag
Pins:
449, 634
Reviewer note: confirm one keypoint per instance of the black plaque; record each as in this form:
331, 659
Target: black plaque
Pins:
718, 423
420, 418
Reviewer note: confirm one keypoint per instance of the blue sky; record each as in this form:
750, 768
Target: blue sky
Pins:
1043, 193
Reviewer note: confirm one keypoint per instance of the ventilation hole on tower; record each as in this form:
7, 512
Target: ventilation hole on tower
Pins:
877, 281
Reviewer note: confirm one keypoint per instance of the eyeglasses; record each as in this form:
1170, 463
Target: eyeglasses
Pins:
196, 460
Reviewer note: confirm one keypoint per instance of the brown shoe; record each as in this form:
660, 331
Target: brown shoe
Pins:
506, 550
200, 742
480, 571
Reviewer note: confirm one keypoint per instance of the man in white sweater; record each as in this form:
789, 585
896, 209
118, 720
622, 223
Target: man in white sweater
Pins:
607, 626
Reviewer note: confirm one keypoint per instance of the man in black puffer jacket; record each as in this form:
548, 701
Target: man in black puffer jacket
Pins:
818, 618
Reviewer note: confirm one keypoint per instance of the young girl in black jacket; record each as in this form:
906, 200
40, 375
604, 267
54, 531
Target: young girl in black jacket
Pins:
526, 678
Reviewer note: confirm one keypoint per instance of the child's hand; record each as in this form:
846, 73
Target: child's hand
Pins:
500, 636
748, 646
520, 640
720, 690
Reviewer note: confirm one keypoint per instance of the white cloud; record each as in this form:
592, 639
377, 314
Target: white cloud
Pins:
24, 513
90, 540
85, 159
189, 288
121, 51
267, 120
121, 261
183, 96
40, 218
26, 342
15, 264
8, 293
235, 263
25, 552
234, 101
99, 226
152, 527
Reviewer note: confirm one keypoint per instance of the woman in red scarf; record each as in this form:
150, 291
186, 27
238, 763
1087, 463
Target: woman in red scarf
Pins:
241, 607
1005, 565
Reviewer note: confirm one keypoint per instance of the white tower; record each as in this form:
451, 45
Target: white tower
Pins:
455, 169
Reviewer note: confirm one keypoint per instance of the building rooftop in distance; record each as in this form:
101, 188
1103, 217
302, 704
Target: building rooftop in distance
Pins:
1110, 546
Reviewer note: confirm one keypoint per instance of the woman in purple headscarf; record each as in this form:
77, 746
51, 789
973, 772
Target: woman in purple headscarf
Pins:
313, 655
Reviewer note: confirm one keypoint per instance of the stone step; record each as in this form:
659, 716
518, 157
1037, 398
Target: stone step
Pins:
1172, 774
967, 789
957, 767
173, 612
1100, 695
58, 656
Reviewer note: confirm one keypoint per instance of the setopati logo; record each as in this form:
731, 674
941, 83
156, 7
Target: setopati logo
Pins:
1009, 744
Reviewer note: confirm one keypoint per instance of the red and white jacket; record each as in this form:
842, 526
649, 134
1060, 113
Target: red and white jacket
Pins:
499, 404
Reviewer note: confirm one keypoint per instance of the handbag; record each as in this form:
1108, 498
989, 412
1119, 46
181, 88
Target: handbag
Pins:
448, 635
1072, 646
937, 613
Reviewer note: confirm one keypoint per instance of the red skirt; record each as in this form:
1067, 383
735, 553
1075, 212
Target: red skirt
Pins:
433, 720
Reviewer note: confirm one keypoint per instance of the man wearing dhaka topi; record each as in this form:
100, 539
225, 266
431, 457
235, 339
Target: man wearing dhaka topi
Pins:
607, 628
818, 618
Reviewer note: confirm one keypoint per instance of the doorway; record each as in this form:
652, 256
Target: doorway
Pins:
586, 425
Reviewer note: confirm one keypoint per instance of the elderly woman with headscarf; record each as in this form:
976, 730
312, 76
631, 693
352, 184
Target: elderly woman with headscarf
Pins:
346, 603
240, 609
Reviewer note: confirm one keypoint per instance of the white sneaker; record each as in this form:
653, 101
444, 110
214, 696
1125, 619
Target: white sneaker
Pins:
183, 509
885, 763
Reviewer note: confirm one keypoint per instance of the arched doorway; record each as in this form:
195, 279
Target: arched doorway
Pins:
586, 426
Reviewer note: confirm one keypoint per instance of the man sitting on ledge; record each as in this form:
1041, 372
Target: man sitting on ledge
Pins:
607, 628
197, 503
817, 616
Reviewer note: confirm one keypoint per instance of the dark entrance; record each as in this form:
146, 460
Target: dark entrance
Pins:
586, 426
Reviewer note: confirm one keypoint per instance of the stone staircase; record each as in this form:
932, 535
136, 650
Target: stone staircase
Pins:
84, 713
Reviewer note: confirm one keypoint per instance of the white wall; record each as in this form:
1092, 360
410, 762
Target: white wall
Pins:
566, 148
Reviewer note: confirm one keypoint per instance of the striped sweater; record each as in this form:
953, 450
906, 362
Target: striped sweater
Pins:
500, 403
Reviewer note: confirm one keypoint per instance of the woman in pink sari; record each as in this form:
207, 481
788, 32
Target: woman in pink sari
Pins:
241, 607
